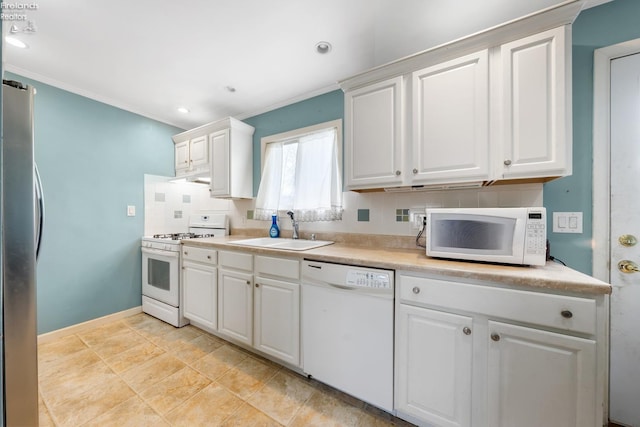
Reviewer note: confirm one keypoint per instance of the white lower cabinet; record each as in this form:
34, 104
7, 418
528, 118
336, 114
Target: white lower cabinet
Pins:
200, 287
235, 316
277, 319
434, 365
540, 378
235, 296
476, 355
277, 308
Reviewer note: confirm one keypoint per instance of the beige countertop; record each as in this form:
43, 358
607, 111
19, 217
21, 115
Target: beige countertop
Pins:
552, 276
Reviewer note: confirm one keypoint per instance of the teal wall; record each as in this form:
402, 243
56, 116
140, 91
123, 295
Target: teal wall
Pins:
594, 28
92, 159
319, 109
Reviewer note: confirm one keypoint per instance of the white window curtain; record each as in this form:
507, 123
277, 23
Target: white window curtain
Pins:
302, 175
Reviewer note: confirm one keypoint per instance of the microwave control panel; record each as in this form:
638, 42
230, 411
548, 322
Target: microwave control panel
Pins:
536, 232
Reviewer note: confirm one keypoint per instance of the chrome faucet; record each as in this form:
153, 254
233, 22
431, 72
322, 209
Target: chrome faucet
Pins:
294, 223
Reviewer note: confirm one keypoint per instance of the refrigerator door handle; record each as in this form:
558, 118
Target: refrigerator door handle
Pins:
40, 208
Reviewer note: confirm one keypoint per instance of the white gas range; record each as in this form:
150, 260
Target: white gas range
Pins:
161, 295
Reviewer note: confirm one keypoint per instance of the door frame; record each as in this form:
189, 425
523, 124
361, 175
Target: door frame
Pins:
601, 152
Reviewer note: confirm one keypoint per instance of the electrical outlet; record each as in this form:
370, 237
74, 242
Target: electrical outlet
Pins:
417, 217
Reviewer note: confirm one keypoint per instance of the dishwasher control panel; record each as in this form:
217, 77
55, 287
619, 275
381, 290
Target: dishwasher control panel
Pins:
368, 279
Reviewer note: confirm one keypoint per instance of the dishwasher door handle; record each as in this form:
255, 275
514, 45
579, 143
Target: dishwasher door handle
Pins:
344, 288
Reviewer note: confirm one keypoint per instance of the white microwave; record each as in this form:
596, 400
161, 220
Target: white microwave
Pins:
500, 235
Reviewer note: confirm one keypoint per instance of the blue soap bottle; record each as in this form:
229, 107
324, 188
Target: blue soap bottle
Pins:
274, 231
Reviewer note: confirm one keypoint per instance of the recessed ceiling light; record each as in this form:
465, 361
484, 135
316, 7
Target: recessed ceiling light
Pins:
16, 42
323, 47
183, 110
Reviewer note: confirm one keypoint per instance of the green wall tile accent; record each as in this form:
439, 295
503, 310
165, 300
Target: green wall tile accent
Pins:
249, 214
363, 215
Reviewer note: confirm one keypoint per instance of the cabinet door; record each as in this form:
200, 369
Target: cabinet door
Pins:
433, 366
199, 151
537, 105
373, 129
451, 121
182, 157
277, 319
539, 378
235, 305
220, 180
200, 294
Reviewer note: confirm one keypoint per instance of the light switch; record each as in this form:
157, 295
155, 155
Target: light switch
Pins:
131, 210
567, 222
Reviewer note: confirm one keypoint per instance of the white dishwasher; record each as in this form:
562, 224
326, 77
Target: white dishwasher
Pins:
347, 329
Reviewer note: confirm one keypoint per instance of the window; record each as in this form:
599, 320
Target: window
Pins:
301, 173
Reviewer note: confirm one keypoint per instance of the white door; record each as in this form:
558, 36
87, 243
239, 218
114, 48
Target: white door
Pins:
540, 378
200, 294
199, 151
277, 319
536, 97
625, 220
451, 121
434, 366
373, 128
235, 306
220, 185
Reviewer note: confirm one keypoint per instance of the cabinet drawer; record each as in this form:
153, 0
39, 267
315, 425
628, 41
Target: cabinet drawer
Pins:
279, 267
556, 311
192, 253
236, 260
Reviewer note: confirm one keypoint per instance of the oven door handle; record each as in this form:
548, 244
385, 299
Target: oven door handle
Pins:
160, 252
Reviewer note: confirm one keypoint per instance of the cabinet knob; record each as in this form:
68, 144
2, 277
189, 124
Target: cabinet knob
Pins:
182, 268
566, 314
257, 285
416, 290
415, 171
397, 173
495, 337
186, 253
507, 162
466, 330
248, 283
208, 256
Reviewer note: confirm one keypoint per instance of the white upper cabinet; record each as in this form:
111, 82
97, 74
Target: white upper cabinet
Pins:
192, 156
451, 121
373, 125
536, 101
492, 106
222, 151
182, 157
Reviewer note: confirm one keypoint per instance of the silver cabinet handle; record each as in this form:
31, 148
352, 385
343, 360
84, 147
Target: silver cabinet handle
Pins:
415, 171
397, 173
186, 253
416, 290
495, 337
566, 314
466, 330
507, 162
208, 256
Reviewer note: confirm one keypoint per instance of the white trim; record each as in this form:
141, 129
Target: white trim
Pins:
89, 324
601, 151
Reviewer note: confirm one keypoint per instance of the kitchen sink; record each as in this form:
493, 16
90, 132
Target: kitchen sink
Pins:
282, 243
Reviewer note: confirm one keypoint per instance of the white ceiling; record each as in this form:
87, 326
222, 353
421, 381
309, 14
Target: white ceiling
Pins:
151, 56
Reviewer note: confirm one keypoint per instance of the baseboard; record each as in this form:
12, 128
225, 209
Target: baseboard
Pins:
89, 324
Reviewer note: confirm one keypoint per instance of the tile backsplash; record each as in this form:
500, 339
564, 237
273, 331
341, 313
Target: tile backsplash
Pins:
169, 204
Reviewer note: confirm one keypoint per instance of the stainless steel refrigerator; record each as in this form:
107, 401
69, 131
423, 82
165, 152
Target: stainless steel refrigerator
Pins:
22, 220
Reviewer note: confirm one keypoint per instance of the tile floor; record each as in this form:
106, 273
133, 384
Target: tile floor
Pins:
140, 371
